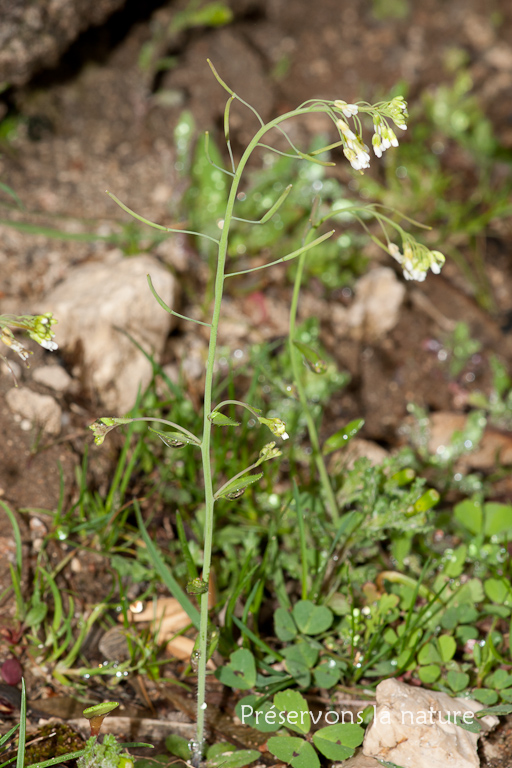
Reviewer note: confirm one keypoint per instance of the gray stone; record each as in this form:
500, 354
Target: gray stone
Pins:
54, 377
376, 307
412, 729
94, 305
34, 35
35, 409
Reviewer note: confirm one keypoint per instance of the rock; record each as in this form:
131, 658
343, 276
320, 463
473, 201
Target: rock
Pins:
495, 447
94, 304
411, 728
54, 377
359, 761
34, 35
375, 310
357, 448
41, 410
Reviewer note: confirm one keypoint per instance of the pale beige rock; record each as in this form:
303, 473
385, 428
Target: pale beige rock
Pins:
494, 449
54, 377
410, 728
376, 307
359, 761
40, 410
357, 448
94, 304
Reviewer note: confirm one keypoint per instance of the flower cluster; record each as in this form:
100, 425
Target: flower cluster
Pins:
38, 327
276, 426
416, 259
354, 148
102, 427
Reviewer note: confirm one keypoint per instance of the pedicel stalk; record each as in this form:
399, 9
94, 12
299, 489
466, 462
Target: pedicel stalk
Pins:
357, 153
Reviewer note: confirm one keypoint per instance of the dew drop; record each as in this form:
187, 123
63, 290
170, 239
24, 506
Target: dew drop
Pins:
235, 494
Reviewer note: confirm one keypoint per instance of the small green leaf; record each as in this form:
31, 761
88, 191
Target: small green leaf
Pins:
312, 619
36, 615
311, 357
294, 751
219, 748
341, 438
447, 647
429, 654
303, 653
296, 708
338, 742
220, 420
284, 625
262, 715
428, 500
429, 674
456, 562
500, 709
326, 675
498, 518
499, 679
240, 672
473, 726
469, 514
484, 695
499, 591
237, 487
233, 758
100, 710
179, 746
404, 477
458, 681
174, 439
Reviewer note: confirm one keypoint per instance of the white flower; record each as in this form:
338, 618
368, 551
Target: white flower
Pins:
377, 144
357, 159
416, 260
51, 345
345, 130
349, 110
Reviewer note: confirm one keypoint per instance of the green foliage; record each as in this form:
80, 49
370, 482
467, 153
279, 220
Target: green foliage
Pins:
291, 710
461, 347
108, 754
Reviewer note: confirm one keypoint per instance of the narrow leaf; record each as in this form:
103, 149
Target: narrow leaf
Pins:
221, 420
236, 488
342, 437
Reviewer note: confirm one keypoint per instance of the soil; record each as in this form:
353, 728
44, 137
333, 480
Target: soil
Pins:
99, 120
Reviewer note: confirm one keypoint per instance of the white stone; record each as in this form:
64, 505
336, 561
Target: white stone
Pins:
54, 377
376, 307
402, 731
41, 410
95, 304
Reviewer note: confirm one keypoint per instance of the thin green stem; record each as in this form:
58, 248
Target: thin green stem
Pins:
169, 424
207, 424
254, 411
296, 361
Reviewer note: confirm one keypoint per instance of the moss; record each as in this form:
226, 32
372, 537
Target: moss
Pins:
55, 739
